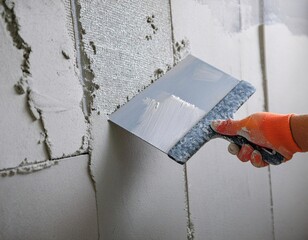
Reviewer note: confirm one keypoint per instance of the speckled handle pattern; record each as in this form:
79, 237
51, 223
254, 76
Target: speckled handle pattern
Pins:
201, 133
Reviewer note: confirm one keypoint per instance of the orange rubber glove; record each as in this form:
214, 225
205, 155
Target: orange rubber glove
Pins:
264, 129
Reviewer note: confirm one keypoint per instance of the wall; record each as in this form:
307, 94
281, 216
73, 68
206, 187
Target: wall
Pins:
67, 173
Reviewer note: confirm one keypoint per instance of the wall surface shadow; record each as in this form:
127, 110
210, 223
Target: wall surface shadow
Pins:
140, 191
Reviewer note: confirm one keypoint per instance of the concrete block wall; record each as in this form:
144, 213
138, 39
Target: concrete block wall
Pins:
67, 173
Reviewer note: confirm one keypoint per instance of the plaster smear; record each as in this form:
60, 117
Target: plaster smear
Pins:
132, 40
55, 93
19, 133
235, 16
165, 121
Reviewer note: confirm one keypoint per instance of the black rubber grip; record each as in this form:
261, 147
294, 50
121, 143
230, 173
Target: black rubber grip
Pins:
268, 155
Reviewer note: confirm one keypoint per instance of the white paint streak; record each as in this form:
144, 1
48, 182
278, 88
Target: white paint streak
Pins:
164, 122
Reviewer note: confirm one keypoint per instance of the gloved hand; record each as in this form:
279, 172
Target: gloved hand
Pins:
264, 129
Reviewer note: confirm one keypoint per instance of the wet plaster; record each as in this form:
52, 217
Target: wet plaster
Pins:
82, 60
157, 122
52, 82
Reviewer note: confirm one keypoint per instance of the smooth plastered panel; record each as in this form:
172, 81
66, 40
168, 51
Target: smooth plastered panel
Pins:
228, 199
56, 203
140, 191
287, 55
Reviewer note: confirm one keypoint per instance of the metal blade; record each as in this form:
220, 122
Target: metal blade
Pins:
166, 110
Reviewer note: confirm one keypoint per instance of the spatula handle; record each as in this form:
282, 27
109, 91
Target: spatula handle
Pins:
268, 155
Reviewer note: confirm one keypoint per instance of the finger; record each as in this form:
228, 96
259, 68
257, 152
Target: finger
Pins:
233, 149
245, 153
256, 159
227, 127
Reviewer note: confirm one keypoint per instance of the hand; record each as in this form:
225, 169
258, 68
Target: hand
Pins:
264, 129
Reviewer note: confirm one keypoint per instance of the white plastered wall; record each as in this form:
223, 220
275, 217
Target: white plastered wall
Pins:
90, 57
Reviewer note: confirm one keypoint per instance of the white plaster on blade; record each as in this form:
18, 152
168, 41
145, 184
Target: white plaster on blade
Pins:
165, 121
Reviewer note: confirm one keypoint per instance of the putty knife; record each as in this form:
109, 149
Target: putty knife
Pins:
174, 113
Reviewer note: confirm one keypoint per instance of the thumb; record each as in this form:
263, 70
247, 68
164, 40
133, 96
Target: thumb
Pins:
227, 127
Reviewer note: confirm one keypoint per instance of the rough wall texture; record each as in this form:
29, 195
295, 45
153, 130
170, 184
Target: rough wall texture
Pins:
129, 44
64, 60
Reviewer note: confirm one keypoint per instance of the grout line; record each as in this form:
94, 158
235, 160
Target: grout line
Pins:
78, 46
26, 167
69, 156
51, 159
172, 33
240, 16
262, 49
87, 76
240, 42
190, 225
271, 201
